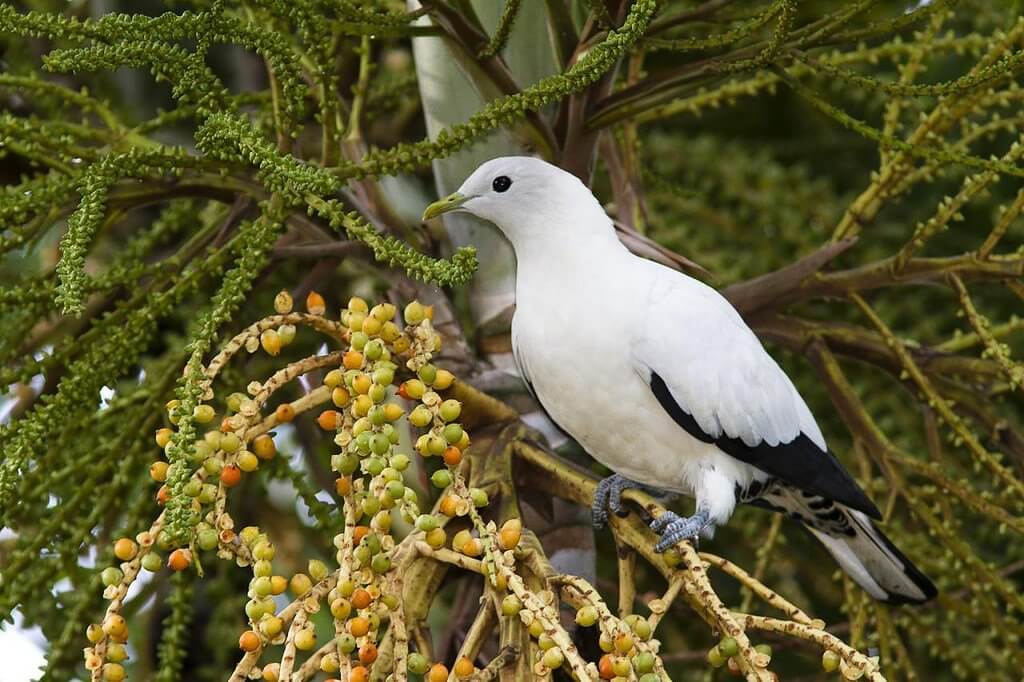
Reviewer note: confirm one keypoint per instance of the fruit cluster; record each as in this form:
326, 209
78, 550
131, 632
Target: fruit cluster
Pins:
382, 400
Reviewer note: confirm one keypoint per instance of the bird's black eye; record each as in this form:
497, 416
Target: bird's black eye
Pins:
501, 183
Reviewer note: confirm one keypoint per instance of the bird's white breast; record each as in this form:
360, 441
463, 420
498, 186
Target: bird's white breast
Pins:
572, 338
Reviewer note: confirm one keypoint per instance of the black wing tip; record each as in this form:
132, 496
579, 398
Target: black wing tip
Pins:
916, 576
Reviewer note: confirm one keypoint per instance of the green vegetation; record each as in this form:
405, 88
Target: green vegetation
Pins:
849, 173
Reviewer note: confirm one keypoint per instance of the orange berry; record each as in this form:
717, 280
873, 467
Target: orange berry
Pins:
359, 626
125, 549
284, 412
179, 559
449, 505
473, 547
163, 495
315, 303
158, 471
437, 673
605, 667
452, 456
352, 359
249, 641
343, 485
329, 420
367, 653
358, 674
361, 598
510, 534
263, 446
230, 476
362, 384
464, 668
359, 533
271, 341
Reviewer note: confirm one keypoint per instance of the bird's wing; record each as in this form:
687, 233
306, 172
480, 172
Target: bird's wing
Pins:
709, 371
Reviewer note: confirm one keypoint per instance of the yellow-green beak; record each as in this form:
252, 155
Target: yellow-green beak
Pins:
449, 203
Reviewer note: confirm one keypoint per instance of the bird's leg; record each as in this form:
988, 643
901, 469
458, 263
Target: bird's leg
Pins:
609, 497
672, 528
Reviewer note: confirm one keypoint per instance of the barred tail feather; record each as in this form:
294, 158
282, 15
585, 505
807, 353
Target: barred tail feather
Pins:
874, 562
859, 547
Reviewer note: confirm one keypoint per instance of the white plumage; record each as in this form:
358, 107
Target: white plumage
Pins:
660, 379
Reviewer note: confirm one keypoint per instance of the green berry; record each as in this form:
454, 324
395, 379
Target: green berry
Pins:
384, 376
420, 416
379, 444
553, 658
234, 401
373, 350
207, 539
378, 393
347, 643
376, 415
400, 462
450, 410
111, 575
152, 562
370, 505
763, 649
208, 493
359, 340
427, 374
203, 414
511, 605
262, 586
643, 662
441, 478
417, 662
478, 497
396, 489
435, 445
586, 616
380, 564
453, 433
374, 465
729, 647
414, 313
715, 657
363, 554
830, 661
373, 542
426, 522
346, 463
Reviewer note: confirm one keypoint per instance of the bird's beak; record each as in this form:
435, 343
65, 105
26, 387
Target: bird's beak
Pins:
449, 203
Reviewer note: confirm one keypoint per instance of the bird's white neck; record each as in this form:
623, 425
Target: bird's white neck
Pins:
572, 257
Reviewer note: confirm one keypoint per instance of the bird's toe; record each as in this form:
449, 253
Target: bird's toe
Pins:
673, 528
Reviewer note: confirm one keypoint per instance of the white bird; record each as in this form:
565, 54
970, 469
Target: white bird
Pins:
658, 377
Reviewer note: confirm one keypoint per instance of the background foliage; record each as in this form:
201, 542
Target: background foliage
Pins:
848, 172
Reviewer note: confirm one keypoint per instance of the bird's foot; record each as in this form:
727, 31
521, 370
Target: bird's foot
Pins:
672, 528
609, 497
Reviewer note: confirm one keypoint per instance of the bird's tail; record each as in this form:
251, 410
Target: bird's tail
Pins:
859, 547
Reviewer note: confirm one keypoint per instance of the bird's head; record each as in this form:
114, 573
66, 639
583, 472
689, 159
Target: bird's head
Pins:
529, 200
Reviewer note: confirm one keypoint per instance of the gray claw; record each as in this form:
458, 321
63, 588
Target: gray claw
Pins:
673, 528
608, 497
